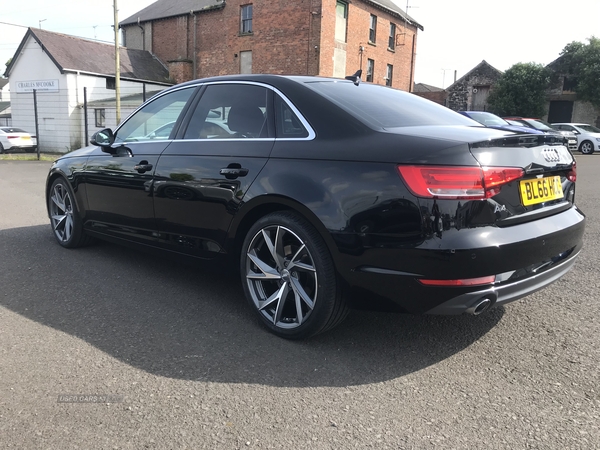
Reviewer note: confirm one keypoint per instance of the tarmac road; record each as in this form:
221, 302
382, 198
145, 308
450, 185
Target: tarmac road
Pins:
185, 365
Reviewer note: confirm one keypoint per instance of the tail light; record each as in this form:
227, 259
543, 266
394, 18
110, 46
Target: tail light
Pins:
464, 183
12, 137
572, 175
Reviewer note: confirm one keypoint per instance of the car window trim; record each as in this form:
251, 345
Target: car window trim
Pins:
311, 133
182, 113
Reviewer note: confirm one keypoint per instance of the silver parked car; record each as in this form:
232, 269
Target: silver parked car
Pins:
588, 136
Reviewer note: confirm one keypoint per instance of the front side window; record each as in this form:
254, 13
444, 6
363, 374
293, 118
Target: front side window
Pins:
392, 38
373, 29
370, 69
389, 75
341, 18
246, 19
230, 111
155, 118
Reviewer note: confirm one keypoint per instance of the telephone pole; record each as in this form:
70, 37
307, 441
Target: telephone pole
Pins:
117, 65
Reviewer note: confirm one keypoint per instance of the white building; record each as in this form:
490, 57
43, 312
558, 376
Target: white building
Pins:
65, 72
5, 119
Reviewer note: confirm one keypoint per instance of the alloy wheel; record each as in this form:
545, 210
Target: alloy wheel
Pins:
61, 212
281, 276
586, 148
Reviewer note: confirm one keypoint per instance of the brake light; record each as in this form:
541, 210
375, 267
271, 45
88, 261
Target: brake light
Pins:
12, 137
464, 282
572, 175
465, 183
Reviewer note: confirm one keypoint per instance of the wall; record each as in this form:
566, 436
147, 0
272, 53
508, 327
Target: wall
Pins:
359, 19
34, 64
437, 96
585, 112
288, 38
138, 37
460, 94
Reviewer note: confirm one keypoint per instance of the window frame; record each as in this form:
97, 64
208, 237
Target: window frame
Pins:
345, 18
100, 121
373, 29
392, 37
370, 70
389, 75
246, 20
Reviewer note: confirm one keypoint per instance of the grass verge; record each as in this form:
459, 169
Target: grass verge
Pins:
28, 156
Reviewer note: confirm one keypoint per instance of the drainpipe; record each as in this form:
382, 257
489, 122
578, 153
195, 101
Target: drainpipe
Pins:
117, 66
412, 64
143, 34
195, 67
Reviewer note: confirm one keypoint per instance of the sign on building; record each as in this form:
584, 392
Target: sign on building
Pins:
38, 85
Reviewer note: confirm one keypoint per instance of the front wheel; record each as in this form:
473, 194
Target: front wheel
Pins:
289, 278
586, 147
64, 217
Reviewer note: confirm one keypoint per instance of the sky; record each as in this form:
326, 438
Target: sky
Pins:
457, 35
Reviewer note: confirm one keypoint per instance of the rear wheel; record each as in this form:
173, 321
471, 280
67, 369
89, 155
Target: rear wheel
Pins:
289, 277
64, 217
586, 147
1, 148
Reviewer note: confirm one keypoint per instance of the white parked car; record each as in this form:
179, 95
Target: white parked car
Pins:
588, 136
12, 138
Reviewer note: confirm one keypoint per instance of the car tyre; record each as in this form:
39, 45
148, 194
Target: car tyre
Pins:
1, 148
66, 223
586, 147
289, 277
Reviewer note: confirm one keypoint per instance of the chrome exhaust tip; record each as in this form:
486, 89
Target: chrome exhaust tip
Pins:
480, 306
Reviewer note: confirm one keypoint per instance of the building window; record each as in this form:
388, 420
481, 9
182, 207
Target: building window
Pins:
370, 70
341, 18
389, 75
392, 39
373, 29
100, 115
246, 19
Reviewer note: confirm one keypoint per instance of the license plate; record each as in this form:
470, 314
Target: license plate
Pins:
540, 190
26, 138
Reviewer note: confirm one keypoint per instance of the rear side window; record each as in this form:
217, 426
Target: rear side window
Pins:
230, 111
287, 123
383, 107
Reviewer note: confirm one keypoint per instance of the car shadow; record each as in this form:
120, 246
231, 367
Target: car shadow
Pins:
180, 321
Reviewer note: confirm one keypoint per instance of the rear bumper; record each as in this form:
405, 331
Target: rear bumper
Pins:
522, 258
506, 293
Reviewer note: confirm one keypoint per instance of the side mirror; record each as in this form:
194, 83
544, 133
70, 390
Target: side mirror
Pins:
103, 138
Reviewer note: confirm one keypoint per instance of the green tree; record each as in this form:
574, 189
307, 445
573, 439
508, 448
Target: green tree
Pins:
521, 91
582, 61
7, 64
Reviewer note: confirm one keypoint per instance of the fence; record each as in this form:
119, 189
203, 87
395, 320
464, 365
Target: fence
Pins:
64, 120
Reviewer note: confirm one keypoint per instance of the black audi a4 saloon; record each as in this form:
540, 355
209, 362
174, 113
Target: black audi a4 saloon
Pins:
326, 192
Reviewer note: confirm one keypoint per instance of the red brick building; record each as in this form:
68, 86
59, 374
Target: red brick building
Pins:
200, 38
